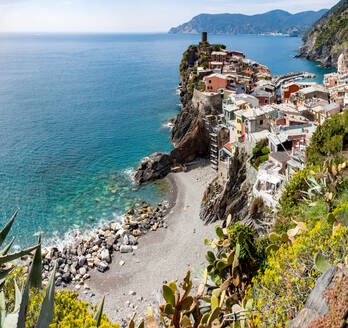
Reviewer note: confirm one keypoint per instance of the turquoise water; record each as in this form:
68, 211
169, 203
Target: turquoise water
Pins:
77, 112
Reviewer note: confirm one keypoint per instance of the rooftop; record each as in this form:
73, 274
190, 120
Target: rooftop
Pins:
314, 88
280, 156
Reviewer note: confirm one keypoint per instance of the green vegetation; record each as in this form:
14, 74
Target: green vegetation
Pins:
217, 47
329, 140
260, 153
335, 28
24, 304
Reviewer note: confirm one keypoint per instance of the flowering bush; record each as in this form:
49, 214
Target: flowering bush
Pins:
281, 290
294, 191
69, 312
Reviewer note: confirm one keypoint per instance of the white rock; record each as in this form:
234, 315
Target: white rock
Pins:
105, 256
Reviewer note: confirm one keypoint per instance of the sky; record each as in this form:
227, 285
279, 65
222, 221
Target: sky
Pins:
132, 16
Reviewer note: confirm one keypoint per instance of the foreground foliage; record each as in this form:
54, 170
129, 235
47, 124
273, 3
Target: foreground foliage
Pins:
33, 307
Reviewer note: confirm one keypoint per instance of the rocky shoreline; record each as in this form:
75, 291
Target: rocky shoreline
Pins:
94, 250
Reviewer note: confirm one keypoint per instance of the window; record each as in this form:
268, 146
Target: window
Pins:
209, 81
266, 101
238, 120
261, 122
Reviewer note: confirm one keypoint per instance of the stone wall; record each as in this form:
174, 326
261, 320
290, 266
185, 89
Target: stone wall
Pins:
207, 103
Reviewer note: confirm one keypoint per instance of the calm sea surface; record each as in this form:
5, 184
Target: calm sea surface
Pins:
77, 112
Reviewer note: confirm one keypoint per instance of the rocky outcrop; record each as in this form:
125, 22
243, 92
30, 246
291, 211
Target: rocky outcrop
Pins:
316, 302
155, 166
328, 37
195, 143
189, 135
232, 198
183, 123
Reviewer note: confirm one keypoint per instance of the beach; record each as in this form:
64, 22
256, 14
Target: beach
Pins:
161, 256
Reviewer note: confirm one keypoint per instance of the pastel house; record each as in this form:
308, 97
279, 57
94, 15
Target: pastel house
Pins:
215, 82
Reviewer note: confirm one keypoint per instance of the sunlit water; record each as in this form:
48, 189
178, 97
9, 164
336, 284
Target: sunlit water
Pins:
77, 112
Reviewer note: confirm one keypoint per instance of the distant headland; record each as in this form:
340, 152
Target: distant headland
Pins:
273, 22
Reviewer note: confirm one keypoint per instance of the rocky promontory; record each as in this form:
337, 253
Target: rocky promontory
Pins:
189, 135
328, 37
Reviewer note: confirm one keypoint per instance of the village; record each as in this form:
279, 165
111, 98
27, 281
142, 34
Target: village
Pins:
272, 118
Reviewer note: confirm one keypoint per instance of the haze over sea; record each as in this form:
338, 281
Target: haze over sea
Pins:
77, 113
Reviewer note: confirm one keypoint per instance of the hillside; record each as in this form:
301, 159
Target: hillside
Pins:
276, 21
328, 37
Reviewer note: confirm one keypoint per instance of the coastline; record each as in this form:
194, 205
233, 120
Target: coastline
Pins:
134, 285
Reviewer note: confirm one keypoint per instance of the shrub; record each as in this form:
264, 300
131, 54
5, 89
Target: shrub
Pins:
69, 312
256, 206
265, 150
293, 192
329, 139
282, 289
239, 233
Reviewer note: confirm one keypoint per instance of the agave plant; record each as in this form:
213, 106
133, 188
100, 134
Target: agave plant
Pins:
17, 318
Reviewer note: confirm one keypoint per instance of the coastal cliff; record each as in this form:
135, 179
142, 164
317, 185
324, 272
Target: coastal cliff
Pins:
219, 199
189, 135
328, 37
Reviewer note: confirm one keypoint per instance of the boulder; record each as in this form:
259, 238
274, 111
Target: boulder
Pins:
105, 256
126, 249
155, 166
102, 266
316, 302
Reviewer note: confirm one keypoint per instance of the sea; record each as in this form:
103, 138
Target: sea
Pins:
78, 112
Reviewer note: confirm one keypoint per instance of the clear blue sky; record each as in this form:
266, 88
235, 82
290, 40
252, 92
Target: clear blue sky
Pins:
128, 15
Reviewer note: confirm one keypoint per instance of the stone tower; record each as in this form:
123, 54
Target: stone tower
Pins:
342, 64
204, 36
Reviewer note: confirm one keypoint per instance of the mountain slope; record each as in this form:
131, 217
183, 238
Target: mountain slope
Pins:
328, 37
276, 21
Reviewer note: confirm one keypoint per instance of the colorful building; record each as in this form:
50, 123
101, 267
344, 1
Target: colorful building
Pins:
215, 82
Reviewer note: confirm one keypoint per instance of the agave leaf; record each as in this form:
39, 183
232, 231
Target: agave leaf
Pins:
4, 232
5, 250
2, 309
47, 307
98, 315
22, 312
3, 276
35, 275
14, 256
18, 298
